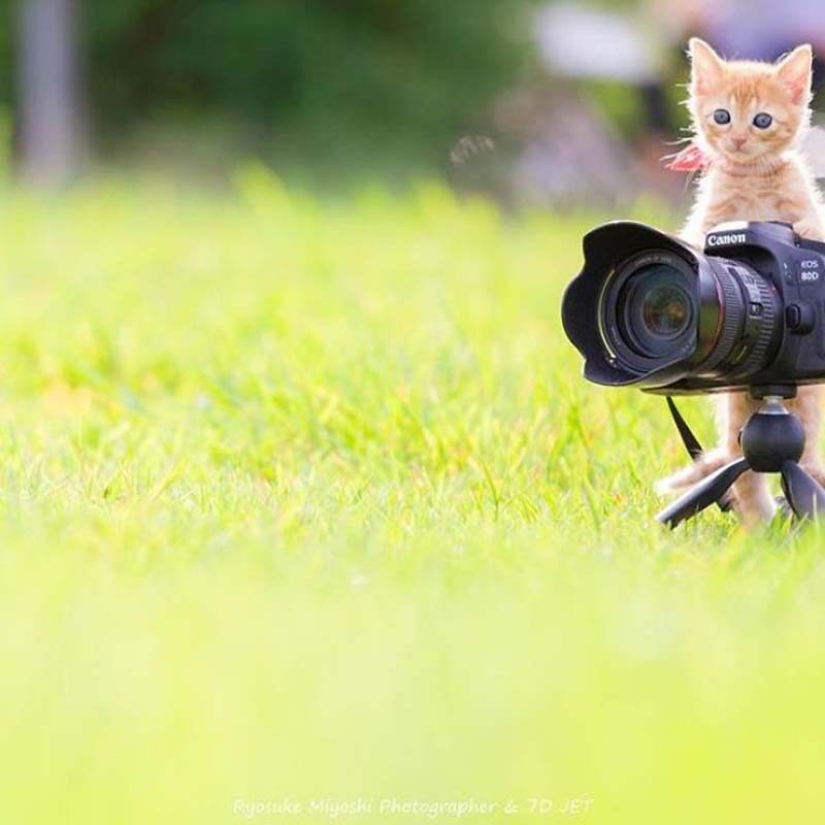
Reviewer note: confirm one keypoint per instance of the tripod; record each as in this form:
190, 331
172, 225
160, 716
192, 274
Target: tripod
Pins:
772, 441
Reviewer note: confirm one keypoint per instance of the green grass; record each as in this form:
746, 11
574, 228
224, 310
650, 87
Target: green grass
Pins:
307, 500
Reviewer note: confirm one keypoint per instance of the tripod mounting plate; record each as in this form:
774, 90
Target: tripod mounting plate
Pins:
785, 391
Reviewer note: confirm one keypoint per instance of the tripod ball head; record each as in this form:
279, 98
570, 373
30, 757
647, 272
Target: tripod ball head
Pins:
771, 437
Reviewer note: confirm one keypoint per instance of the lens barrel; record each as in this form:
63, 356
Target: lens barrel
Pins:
654, 310
751, 314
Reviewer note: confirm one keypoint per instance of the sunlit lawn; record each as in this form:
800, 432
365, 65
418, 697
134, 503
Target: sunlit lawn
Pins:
307, 501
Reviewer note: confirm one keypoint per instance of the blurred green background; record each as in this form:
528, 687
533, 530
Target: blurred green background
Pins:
315, 87
311, 83
330, 93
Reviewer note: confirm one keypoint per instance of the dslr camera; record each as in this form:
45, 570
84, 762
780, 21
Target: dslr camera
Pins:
651, 311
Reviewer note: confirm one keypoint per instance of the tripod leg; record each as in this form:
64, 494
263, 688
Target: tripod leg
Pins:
705, 493
805, 495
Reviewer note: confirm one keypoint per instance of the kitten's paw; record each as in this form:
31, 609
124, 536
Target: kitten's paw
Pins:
811, 229
683, 480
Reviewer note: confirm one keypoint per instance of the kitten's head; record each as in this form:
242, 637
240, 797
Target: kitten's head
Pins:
745, 112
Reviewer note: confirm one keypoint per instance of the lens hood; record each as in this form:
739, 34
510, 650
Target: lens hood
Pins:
607, 248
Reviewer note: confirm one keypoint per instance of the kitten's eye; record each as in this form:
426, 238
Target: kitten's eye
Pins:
762, 120
721, 116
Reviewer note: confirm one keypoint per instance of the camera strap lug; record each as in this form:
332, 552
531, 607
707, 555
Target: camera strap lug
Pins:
692, 445
690, 441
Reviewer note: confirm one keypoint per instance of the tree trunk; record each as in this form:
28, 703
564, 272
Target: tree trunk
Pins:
50, 94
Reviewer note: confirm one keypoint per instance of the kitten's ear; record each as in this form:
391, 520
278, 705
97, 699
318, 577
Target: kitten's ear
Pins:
707, 67
794, 71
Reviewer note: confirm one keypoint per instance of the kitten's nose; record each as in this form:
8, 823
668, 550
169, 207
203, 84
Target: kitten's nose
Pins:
738, 142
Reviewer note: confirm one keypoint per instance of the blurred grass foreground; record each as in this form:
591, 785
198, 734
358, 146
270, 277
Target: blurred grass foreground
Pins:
305, 504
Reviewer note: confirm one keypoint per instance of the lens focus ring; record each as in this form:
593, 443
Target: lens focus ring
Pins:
761, 314
733, 314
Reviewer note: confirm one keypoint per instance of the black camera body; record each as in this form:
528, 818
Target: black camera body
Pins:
652, 311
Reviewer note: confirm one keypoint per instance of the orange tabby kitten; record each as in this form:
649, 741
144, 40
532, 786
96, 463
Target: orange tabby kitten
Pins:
748, 117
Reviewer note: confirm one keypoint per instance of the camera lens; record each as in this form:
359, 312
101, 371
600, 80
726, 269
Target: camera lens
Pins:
655, 310
650, 310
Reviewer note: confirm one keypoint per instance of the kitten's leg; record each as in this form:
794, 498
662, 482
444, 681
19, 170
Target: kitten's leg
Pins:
808, 407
